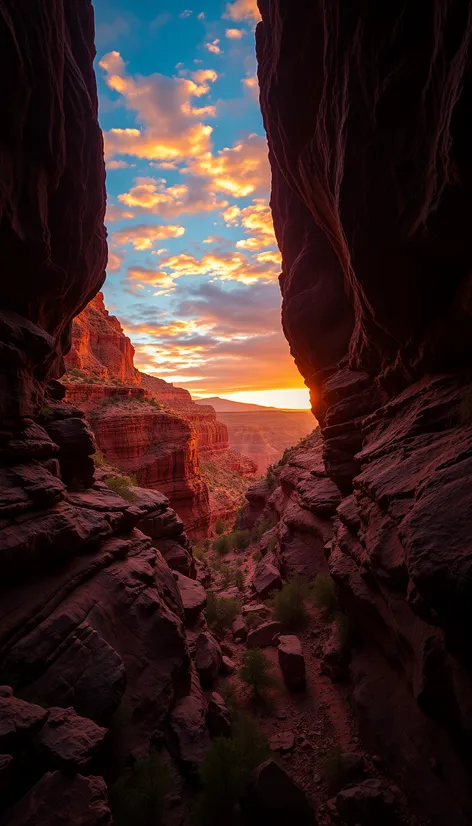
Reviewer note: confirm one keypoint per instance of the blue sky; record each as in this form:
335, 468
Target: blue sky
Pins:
193, 262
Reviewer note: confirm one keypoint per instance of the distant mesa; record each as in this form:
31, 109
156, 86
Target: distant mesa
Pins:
228, 406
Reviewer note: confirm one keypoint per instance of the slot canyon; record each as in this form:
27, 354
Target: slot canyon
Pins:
213, 612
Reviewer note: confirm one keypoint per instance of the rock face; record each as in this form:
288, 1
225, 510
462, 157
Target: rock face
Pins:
371, 193
149, 428
90, 614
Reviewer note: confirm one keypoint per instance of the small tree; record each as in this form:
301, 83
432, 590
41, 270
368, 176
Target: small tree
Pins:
241, 540
122, 486
239, 579
219, 527
256, 672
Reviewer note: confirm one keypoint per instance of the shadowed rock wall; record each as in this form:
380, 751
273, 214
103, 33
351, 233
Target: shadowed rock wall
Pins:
367, 109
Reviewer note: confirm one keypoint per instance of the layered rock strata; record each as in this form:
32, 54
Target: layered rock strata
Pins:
365, 113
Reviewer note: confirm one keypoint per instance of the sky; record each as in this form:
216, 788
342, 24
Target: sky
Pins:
193, 262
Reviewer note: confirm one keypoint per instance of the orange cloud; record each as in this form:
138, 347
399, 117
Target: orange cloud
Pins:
243, 10
119, 165
239, 170
221, 266
151, 195
204, 76
213, 47
116, 213
235, 34
143, 236
256, 220
114, 261
153, 278
164, 108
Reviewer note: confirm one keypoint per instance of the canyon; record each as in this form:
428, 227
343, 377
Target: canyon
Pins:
148, 428
262, 433
112, 652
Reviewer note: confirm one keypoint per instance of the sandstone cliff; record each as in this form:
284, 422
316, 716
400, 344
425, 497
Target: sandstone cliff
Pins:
91, 618
365, 113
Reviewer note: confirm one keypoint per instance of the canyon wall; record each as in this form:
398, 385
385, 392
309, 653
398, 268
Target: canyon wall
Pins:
91, 616
367, 114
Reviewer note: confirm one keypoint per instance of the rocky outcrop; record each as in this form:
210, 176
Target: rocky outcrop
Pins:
100, 350
371, 190
91, 620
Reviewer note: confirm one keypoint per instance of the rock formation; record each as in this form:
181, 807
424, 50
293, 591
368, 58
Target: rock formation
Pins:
91, 617
142, 424
366, 113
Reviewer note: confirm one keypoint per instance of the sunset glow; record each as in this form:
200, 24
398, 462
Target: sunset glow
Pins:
193, 267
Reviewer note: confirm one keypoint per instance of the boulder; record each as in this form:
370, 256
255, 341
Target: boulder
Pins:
188, 737
228, 666
266, 634
283, 742
193, 597
217, 717
207, 658
239, 630
292, 662
19, 721
177, 557
369, 803
69, 741
266, 577
57, 800
274, 798
334, 657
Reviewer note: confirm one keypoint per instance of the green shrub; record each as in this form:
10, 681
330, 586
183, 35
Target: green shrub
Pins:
47, 413
289, 603
252, 620
227, 575
222, 545
139, 796
219, 527
226, 771
324, 595
99, 459
239, 580
122, 485
257, 556
221, 611
256, 672
241, 540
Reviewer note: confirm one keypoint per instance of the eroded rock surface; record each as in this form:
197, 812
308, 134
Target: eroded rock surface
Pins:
376, 283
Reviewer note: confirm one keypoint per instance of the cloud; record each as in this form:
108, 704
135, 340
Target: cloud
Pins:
153, 196
141, 276
120, 165
224, 340
256, 220
143, 236
242, 10
165, 111
240, 170
252, 84
221, 266
186, 13
235, 34
213, 47
204, 76
114, 261
117, 213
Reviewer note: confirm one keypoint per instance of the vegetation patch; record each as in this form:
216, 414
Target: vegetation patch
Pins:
289, 604
324, 594
123, 486
227, 768
220, 612
222, 544
219, 527
256, 672
139, 796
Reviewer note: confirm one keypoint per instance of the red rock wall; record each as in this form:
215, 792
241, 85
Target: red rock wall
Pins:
100, 347
366, 108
